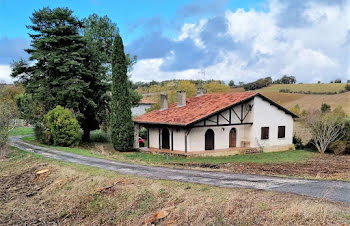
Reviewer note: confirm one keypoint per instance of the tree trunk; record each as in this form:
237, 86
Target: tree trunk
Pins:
86, 135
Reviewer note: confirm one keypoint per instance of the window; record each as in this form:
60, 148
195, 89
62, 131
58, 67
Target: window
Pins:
281, 132
265, 133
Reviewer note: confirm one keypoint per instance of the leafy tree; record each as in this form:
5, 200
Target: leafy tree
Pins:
286, 80
338, 80
61, 127
231, 84
216, 87
122, 129
258, 84
67, 69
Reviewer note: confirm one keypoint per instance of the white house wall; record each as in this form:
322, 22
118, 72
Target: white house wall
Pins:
263, 114
153, 137
196, 138
267, 115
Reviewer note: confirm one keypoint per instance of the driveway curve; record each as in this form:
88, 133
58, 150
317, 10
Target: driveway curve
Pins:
331, 190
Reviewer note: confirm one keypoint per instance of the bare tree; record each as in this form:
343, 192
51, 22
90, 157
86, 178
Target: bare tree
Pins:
325, 128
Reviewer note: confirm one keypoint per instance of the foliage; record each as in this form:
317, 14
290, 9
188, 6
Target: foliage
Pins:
7, 114
61, 128
338, 80
231, 84
143, 133
216, 87
99, 136
347, 87
258, 84
122, 129
325, 128
325, 108
298, 143
338, 147
285, 80
298, 111
66, 69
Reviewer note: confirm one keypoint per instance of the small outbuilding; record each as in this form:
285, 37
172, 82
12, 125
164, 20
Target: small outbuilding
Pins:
218, 121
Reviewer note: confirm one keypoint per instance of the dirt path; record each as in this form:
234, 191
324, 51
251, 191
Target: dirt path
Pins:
331, 190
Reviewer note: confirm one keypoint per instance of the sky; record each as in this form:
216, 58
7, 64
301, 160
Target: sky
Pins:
239, 40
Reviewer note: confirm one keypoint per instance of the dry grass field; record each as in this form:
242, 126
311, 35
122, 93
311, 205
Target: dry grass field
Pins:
38, 191
310, 101
316, 88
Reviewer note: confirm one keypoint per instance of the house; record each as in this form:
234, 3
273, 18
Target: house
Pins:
218, 121
142, 107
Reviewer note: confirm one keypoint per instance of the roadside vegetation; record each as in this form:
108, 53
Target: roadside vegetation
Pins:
36, 190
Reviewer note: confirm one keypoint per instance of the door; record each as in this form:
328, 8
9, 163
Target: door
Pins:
209, 140
165, 139
233, 138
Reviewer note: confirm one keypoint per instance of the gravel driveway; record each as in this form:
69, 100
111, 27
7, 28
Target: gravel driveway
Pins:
331, 190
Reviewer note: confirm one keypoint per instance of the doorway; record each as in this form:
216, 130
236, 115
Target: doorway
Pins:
233, 138
165, 139
209, 139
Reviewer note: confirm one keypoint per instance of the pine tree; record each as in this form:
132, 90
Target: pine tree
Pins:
122, 129
65, 69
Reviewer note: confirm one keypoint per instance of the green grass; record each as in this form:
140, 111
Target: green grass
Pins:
274, 157
21, 131
141, 157
317, 88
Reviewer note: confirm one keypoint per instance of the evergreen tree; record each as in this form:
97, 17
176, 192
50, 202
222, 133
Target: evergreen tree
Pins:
65, 69
122, 129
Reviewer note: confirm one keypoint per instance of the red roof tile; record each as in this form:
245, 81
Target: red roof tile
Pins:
196, 108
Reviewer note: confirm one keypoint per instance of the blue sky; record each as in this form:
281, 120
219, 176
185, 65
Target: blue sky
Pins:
239, 39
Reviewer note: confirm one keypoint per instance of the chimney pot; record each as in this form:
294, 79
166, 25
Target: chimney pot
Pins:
200, 92
181, 98
163, 101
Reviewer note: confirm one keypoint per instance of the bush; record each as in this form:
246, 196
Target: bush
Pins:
347, 87
99, 136
338, 147
61, 128
143, 133
298, 143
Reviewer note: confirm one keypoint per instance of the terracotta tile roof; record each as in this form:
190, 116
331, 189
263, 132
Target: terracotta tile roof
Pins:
196, 108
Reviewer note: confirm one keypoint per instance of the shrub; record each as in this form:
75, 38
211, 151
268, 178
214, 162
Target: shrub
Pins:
143, 133
61, 128
347, 87
298, 143
338, 147
99, 136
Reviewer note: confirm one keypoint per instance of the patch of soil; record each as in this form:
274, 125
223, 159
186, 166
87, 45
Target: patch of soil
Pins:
322, 166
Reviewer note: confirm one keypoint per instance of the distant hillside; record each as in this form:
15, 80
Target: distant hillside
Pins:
309, 101
313, 88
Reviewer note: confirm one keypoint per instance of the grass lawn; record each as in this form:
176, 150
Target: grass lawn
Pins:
21, 131
92, 150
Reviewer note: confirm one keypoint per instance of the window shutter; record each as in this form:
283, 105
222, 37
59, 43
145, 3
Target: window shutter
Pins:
265, 133
281, 132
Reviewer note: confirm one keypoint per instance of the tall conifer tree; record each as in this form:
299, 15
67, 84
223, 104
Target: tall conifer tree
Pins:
122, 129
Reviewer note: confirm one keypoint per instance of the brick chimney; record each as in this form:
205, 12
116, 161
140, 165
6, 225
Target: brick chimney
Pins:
163, 101
181, 98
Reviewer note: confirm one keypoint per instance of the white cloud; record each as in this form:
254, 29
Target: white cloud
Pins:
311, 52
5, 71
